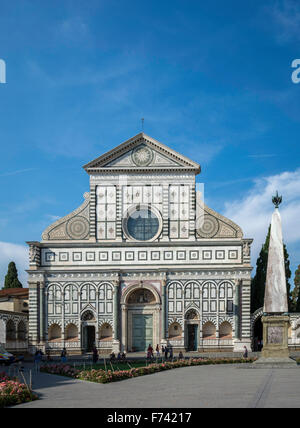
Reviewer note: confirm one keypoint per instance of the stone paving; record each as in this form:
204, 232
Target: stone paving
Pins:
218, 386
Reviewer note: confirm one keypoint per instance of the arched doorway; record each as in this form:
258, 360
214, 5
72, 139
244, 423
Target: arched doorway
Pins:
88, 330
140, 320
192, 329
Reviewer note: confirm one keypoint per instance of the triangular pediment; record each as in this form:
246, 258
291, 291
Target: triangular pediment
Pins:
141, 153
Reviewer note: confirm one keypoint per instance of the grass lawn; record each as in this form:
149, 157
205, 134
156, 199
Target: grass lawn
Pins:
116, 365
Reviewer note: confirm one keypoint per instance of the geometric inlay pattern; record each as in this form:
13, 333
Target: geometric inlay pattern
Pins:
209, 227
78, 227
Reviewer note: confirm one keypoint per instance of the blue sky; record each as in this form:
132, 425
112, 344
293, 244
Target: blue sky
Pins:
212, 80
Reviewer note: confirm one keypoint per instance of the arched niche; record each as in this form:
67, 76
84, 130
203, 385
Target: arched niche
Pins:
105, 332
54, 333
175, 330
209, 330
71, 332
225, 330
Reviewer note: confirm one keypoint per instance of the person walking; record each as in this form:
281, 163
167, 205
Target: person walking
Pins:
63, 355
171, 352
95, 355
157, 351
149, 352
245, 354
38, 356
166, 352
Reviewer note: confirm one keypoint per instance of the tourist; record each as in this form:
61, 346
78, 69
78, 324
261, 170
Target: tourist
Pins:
38, 356
180, 356
95, 355
150, 352
112, 357
162, 349
166, 352
48, 355
123, 356
245, 354
171, 352
157, 351
119, 356
63, 355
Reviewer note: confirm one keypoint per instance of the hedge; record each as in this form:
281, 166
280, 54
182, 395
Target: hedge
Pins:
102, 376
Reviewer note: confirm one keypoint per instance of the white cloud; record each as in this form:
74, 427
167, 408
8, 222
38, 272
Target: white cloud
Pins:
17, 253
253, 213
286, 17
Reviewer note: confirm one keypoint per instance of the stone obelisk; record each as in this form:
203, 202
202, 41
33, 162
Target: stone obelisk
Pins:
275, 301
275, 319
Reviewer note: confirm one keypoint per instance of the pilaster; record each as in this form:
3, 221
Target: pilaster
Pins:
116, 340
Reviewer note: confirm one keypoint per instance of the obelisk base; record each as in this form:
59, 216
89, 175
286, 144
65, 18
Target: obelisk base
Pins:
275, 352
275, 336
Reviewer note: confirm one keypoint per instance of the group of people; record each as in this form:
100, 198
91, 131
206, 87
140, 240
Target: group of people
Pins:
39, 354
166, 351
120, 356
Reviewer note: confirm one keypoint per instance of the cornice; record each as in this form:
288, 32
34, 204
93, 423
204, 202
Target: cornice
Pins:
99, 163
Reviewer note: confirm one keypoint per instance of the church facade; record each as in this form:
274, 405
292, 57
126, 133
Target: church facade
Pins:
142, 260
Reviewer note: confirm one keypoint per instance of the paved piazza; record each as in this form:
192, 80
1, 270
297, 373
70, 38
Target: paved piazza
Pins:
196, 387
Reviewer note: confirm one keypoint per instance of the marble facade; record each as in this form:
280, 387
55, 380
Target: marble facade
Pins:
142, 259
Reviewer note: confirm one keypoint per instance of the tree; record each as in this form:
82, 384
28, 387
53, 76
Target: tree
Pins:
11, 278
296, 290
258, 283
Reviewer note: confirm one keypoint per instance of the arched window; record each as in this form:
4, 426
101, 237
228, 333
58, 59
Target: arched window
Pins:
88, 293
209, 297
175, 297
226, 297
71, 299
192, 291
105, 298
54, 299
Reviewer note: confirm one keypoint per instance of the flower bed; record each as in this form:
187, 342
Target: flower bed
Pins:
13, 392
102, 376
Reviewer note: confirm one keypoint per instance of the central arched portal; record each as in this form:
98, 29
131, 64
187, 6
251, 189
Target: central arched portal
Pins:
140, 319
